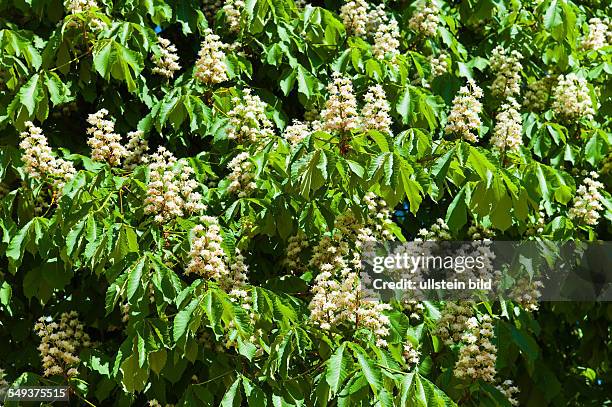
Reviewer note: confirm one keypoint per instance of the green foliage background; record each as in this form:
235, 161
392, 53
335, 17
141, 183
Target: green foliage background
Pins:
95, 249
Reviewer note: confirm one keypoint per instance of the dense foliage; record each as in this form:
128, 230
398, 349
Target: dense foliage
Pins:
186, 185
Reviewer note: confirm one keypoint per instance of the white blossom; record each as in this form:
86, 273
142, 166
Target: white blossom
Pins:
171, 192
375, 112
386, 40
588, 201
210, 67
167, 62
296, 132
340, 113
411, 355
104, 142
207, 257
248, 120
136, 150
39, 160
60, 344
425, 19
507, 69
477, 356
598, 36
465, 113
453, 322
337, 296
85, 6
439, 65
526, 292
354, 15
436, 232
233, 12
507, 135
242, 175
571, 99
508, 389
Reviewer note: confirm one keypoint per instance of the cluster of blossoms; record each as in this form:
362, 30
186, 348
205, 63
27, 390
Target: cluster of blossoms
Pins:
508, 389
236, 281
587, 202
38, 160
81, 6
104, 142
465, 114
248, 120
527, 292
340, 113
386, 40
507, 135
439, 65
507, 69
337, 297
171, 190
378, 221
453, 322
478, 355
478, 232
411, 355
538, 93
296, 245
233, 13
208, 260
210, 67
376, 17
241, 176
375, 112
297, 131
136, 150
414, 309
354, 15
207, 257
571, 98
437, 231
425, 19
84, 6
60, 344
537, 223
167, 61
600, 34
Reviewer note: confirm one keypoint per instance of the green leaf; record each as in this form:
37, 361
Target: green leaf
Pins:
30, 94
157, 360
183, 319
232, 396
456, 214
134, 377
336, 371
370, 371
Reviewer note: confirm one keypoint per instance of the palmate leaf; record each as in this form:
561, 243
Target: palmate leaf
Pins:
112, 59
310, 172
35, 96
